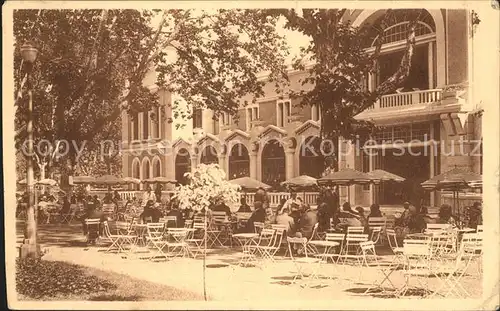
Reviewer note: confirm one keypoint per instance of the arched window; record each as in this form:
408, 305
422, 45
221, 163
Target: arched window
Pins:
273, 163
239, 162
209, 155
136, 173
156, 167
182, 166
311, 159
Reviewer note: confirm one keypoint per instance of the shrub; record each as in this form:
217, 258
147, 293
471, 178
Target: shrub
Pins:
38, 279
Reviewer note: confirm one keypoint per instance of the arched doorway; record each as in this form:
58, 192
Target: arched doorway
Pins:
239, 162
209, 156
156, 168
182, 166
136, 173
273, 163
311, 159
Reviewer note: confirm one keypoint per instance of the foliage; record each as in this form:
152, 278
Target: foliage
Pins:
38, 279
92, 64
208, 185
340, 65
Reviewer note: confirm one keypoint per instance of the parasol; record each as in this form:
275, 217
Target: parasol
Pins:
160, 180
247, 183
454, 180
108, 180
346, 177
83, 180
302, 181
47, 182
131, 180
381, 175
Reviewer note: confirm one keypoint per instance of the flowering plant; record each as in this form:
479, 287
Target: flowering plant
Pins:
208, 185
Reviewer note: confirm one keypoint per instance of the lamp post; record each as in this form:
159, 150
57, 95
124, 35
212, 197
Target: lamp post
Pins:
30, 248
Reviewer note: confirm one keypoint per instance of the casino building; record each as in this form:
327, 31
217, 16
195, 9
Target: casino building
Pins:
424, 124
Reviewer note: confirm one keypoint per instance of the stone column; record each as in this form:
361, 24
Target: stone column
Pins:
194, 162
253, 165
222, 163
289, 157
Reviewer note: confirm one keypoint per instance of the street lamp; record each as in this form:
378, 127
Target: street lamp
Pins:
30, 248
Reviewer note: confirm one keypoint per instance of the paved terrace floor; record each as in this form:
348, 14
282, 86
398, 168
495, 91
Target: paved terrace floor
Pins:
224, 280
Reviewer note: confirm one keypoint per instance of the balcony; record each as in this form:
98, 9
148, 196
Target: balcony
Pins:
407, 99
403, 107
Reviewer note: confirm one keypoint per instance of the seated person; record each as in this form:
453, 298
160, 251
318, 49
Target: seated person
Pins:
150, 211
306, 224
415, 221
475, 216
222, 207
323, 216
287, 221
352, 218
375, 211
108, 199
258, 215
362, 218
174, 211
244, 207
445, 216
66, 206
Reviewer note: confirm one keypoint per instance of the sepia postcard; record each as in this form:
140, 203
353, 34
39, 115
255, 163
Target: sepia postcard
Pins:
251, 155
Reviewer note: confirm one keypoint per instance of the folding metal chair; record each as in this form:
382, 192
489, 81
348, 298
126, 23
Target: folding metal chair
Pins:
355, 230
258, 226
92, 230
398, 258
370, 261
250, 252
417, 254
269, 251
378, 222
196, 239
352, 249
115, 239
375, 234
176, 242
300, 262
155, 239
68, 217
169, 220
335, 237
126, 232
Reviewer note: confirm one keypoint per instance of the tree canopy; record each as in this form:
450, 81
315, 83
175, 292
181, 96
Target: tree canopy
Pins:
92, 64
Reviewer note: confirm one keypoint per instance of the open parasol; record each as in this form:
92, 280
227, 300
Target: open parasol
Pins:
83, 180
381, 175
346, 177
108, 180
131, 180
454, 180
160, 180
249, 184
302, 181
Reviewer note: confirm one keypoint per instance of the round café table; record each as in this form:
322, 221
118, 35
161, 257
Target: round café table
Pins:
246, 240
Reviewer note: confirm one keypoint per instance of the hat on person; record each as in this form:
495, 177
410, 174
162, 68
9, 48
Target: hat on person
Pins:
406, 203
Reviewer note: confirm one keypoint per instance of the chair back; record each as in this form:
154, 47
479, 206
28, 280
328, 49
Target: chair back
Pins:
293, 241
171, 219
472, 243
376, 222
107, 231
266, 237
337, 237
437, 227
108, 208
389, 222
392, 238
356, 237
375, 234
281, 228
368, 247
148, 219
155, 230
278, 237
188, 223
199, 225
178, 234
92, 221
243, 216
122, 227
258, 226
198, 219
356, 230
219, 216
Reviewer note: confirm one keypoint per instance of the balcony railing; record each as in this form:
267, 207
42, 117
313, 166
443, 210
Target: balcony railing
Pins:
407, 99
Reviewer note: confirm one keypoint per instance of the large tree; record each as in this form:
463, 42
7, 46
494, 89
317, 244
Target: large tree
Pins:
340, 65
92, 65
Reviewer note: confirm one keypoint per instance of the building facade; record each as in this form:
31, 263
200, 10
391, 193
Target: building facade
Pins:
275, 139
